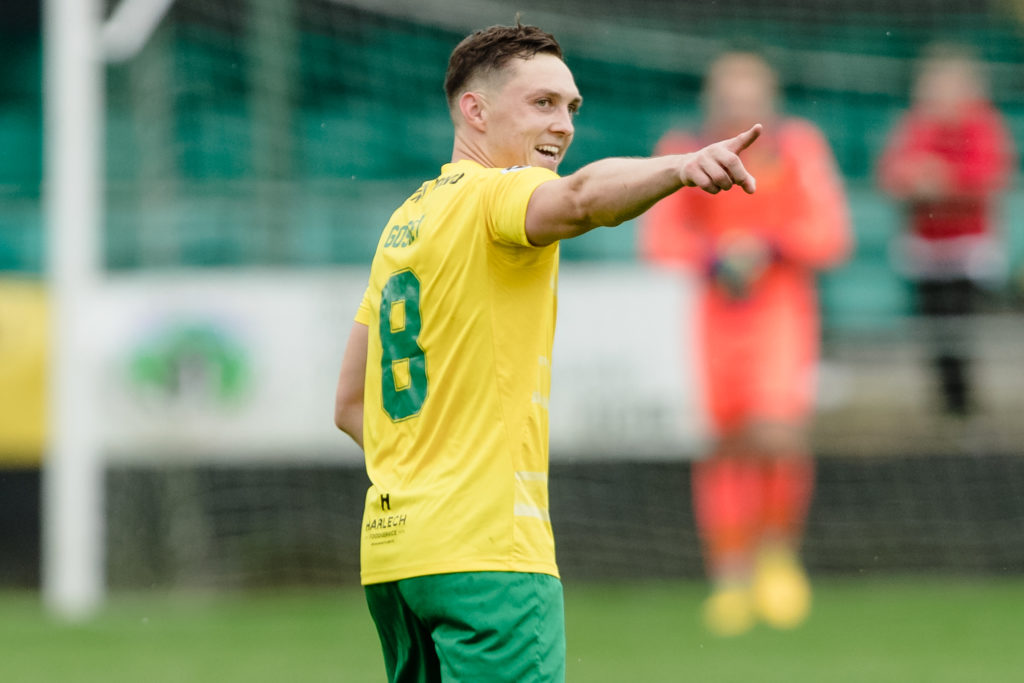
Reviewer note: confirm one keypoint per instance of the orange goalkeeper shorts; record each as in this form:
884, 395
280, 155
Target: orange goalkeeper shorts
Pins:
759, 357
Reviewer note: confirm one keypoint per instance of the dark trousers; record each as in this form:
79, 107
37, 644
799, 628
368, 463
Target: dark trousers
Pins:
947, 308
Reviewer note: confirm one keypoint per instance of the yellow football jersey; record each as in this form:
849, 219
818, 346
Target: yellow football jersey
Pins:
461, 315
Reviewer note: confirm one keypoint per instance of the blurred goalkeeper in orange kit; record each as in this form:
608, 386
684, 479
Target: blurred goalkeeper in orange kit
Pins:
757, 339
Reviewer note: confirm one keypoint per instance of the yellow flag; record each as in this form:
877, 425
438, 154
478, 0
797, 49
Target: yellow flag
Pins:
23, 353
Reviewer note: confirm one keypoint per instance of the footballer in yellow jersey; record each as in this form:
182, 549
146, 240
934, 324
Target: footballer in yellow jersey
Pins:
446, 375
461, 312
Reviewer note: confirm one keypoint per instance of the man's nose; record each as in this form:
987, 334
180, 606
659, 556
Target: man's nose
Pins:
563, 122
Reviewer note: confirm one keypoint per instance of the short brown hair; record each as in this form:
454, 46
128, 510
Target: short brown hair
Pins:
490, 49
745, 61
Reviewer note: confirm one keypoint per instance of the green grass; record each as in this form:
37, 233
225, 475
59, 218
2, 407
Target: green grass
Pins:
861, 630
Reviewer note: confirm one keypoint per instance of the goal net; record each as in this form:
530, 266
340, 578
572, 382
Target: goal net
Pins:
254, 150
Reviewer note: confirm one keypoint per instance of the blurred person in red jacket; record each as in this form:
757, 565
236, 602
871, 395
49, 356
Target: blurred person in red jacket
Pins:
758, 340
947, 161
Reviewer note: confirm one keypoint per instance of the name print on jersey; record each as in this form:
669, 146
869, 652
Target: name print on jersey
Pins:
402, 236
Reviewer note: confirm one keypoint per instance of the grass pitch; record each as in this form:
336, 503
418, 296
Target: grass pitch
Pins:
868, 630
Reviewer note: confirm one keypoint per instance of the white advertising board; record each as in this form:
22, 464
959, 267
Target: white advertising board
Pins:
624, 384
243, 365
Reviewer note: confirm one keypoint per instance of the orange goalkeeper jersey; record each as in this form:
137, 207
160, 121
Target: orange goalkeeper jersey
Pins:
758, 349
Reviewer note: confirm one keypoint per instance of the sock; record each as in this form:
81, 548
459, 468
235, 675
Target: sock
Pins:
788, 484
727, 505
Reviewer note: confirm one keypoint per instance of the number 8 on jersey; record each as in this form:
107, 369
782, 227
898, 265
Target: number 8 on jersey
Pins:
403, 364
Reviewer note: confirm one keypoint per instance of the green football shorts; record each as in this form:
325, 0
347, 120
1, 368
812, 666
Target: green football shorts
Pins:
473, 627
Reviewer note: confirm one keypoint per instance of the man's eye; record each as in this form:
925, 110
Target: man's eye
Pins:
543, 102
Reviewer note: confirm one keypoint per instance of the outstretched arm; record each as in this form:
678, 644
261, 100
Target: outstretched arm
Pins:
610, 191
348, 400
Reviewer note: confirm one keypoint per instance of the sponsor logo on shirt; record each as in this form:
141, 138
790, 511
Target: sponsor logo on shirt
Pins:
434, 184
383, 529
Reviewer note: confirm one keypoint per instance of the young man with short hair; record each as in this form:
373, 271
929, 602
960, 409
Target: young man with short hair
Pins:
446, 375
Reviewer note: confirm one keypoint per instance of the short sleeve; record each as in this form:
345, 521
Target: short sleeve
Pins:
365, 313
506, 198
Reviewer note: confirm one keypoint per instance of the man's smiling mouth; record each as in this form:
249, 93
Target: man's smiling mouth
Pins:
551, 151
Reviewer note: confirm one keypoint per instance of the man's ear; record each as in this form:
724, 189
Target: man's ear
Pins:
473, 109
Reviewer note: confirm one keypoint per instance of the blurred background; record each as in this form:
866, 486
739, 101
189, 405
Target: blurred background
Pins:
254, 150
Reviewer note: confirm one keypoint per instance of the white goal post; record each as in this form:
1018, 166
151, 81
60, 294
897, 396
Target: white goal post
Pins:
77, 44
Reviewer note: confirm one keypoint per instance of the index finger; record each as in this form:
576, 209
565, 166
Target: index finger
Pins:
744, 139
